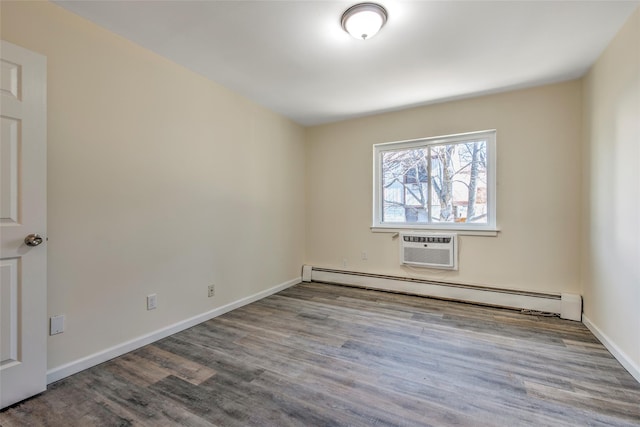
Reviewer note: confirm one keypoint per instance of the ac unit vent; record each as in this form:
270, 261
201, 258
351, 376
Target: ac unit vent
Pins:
429, 250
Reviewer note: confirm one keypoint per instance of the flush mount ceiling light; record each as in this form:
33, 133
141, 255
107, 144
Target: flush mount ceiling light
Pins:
364, 20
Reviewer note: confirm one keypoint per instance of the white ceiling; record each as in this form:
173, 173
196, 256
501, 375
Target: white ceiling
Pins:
294, 58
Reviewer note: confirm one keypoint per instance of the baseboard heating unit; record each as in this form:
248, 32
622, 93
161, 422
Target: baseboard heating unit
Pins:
567, 306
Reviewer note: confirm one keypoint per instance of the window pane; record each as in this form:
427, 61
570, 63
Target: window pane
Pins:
404, 185
459, 182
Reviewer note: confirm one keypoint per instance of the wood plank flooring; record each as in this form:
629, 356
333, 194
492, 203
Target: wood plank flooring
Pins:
325, 355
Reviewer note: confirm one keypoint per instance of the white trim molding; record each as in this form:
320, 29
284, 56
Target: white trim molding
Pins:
87, 362
620, 355
461, 232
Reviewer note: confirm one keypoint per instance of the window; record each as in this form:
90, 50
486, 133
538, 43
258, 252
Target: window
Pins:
445, 182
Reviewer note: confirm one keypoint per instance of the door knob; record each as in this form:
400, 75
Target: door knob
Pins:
33, 240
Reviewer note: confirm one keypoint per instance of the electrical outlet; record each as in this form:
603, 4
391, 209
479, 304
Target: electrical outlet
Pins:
152, 302
212, 290
56, 324
363, 256
344, 262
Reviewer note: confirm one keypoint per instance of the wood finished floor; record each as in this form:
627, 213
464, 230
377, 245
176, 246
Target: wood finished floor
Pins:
324, 355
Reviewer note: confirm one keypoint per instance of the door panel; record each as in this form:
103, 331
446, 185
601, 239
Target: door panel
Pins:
9, 311
9, 149
23, 310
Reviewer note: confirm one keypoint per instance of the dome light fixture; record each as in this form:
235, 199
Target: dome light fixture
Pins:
364, 20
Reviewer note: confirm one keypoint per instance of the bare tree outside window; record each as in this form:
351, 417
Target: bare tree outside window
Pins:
439, 183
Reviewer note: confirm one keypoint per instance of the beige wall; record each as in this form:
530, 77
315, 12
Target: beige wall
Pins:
538, 200
611, 262
159, 181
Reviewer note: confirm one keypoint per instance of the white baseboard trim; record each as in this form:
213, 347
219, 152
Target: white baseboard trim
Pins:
620, 355
548, 303
76, 366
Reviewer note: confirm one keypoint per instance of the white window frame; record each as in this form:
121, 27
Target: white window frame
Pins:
490, 228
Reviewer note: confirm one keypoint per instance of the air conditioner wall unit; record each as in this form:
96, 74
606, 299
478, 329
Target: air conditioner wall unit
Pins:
430, 250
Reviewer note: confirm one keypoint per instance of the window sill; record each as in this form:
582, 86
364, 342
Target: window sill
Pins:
462, 232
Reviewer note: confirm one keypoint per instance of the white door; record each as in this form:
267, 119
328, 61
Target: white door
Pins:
23, 174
